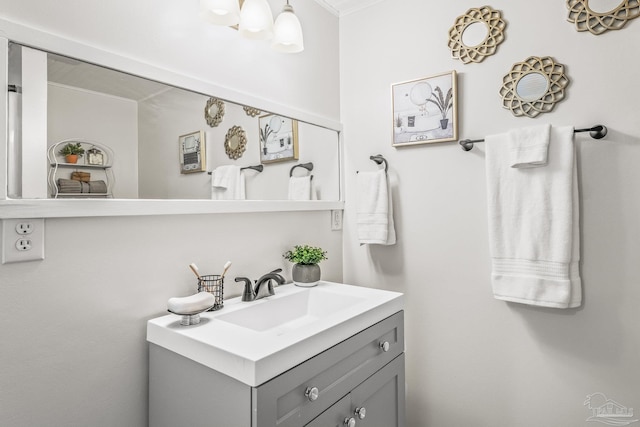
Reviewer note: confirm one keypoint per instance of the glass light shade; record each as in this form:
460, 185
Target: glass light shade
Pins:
287, 32
256, 20
221, 12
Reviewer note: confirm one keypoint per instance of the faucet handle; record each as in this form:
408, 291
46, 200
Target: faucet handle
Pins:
248, 294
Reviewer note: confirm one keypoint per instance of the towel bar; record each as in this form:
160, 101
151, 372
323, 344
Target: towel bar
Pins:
307, 166
257, 168
596, 132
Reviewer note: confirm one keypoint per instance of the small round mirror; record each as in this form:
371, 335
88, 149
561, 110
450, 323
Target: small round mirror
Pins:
475, 34
235, 142
214, 112
599, 16
532, 86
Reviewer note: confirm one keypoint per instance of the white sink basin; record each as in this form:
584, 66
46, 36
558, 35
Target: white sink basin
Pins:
256, 341
291, 311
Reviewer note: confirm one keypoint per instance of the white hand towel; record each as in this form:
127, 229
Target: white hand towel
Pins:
529, 146
227, 183
533, 224
300, 188
374, 212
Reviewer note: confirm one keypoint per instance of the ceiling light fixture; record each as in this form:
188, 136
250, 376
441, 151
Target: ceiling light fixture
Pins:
287, 32
254, 20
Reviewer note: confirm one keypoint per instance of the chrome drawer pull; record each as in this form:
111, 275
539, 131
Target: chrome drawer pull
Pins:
312, 393
361, 413
384, 346
350, 422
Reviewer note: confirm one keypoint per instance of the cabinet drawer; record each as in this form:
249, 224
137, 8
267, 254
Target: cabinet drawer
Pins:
331, 375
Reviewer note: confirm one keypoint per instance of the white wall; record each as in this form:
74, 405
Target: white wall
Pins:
75, 322
473, 360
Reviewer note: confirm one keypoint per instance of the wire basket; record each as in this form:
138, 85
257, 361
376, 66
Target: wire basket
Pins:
214, 284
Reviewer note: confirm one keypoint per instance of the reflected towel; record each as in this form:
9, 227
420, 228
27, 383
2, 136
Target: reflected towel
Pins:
533, 224
374, 212
300, 187
227, 183
529, 146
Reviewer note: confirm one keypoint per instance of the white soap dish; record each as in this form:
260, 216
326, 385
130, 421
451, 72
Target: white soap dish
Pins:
190, 307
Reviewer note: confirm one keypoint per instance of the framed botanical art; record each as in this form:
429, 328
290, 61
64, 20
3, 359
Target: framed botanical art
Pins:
278, 138
192, 152
425, 110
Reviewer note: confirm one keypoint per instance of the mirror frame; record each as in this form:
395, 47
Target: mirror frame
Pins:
585, 19
235, 132
495, 34
546, 66
57, 208
214, 120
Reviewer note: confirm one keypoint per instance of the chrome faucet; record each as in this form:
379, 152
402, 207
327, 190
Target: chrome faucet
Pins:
266, 281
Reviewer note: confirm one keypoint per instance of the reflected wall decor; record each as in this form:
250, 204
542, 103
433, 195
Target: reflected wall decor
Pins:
278, 138
425, 110
192, 152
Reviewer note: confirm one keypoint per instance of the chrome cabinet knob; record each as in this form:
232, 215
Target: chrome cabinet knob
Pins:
312, 393
350, 422
384, 346
361, 413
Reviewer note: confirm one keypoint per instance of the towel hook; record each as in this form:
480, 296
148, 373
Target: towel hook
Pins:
307, 166
380, 160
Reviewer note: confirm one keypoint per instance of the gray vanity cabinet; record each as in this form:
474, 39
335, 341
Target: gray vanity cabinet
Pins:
329, 389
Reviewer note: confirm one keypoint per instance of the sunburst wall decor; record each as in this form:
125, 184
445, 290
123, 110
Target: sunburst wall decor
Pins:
585, 19
495, 26
533, 86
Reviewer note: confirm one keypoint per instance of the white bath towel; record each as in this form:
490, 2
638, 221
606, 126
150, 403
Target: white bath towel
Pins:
374, 211
227, 183
529, 146
533, 224
300, 187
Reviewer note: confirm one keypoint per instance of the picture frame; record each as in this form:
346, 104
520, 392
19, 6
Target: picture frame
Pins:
278, 138
192, 152
425, 111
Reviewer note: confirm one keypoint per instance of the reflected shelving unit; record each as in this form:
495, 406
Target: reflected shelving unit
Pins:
99, 167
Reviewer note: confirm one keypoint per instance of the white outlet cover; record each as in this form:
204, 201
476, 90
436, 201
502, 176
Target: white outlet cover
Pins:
10, 237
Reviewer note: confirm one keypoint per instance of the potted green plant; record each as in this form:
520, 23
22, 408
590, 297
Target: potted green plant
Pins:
443, 103
305, 271
71, 152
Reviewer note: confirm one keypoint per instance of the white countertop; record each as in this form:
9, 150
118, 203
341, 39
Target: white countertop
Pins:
254, 356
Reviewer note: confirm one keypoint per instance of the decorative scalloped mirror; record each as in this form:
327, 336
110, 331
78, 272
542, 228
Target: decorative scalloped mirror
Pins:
476, 34
235, 142
598, 16
533, 86
251, 112
214, 112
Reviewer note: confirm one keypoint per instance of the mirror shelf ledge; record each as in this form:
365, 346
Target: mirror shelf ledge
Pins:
66, 208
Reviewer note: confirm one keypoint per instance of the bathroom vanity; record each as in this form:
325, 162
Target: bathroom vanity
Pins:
309, 363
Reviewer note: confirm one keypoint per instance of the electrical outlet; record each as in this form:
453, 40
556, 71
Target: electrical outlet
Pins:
336, 219
22, 240
23, 245
24, 227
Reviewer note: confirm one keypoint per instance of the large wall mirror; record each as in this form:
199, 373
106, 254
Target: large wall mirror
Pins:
142, 121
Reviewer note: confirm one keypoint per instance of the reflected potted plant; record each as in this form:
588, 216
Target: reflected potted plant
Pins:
71, 152
305, 271
443, 103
